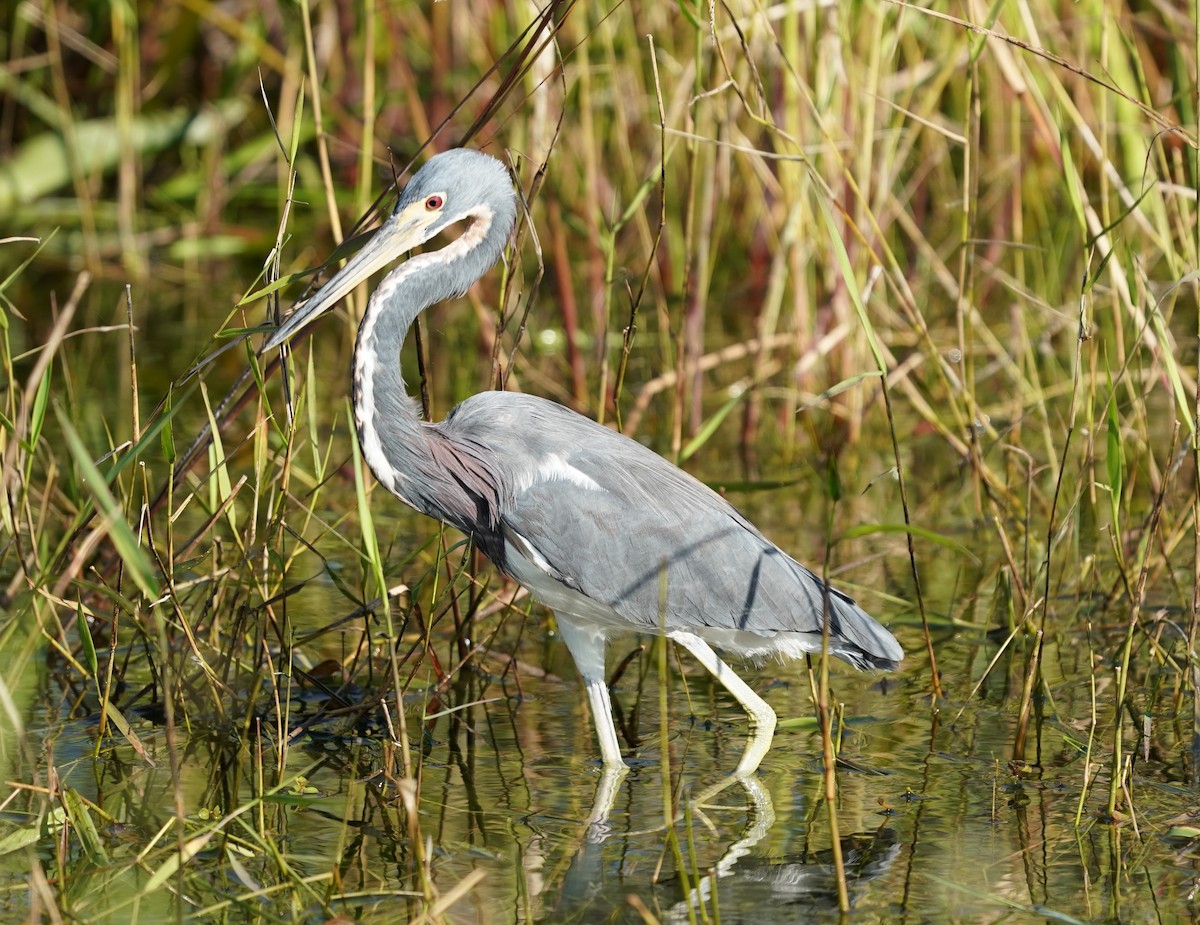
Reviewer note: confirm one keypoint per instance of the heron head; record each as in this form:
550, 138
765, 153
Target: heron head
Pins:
452, 186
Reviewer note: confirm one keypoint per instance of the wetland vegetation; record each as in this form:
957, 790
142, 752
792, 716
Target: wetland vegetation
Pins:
915, 286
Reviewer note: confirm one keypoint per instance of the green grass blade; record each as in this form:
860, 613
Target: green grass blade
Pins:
932, 535
711, 425
127, 546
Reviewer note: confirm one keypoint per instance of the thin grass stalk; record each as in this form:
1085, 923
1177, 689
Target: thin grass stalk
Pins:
1020, 318
29, 416
286, 154
366, 135
629, 116
767, 323
881, 366
12, 485
440, 592
824, 710
569, 311
464, 624
1193, 655
1194, 623
801, 308
699, 905
1033, 666
687, 260
635, 302
124, 19
965, 301
1083, 334
700, 273
633, 215
374, 562
664, 707
281, 699
668, 797
607, 245
168, 696
314, 79
1138, 598
594, 275
1031, 677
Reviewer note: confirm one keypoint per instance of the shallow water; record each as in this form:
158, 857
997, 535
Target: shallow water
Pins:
934, 824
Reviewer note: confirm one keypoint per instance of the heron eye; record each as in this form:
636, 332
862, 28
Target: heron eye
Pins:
433, 203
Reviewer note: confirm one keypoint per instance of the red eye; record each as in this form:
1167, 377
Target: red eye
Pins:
433, 203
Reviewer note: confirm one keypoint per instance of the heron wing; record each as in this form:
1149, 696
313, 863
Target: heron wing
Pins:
605, 517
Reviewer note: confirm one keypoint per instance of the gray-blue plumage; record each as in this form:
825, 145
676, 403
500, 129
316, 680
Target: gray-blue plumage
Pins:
593, 523
612, 541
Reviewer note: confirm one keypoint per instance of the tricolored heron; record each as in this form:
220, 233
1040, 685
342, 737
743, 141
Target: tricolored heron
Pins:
600, 529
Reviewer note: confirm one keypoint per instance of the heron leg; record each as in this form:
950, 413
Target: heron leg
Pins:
586, 644
762, 717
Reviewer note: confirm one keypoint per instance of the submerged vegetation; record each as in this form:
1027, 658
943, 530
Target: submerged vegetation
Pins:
917, 287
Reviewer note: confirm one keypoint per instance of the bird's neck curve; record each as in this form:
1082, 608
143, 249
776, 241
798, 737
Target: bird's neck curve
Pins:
394, 440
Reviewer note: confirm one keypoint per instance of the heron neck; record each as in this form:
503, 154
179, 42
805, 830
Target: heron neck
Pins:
396, 444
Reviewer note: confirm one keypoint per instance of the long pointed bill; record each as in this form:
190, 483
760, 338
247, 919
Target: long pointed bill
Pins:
400, 233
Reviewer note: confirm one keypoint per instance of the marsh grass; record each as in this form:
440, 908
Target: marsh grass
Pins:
941, 267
